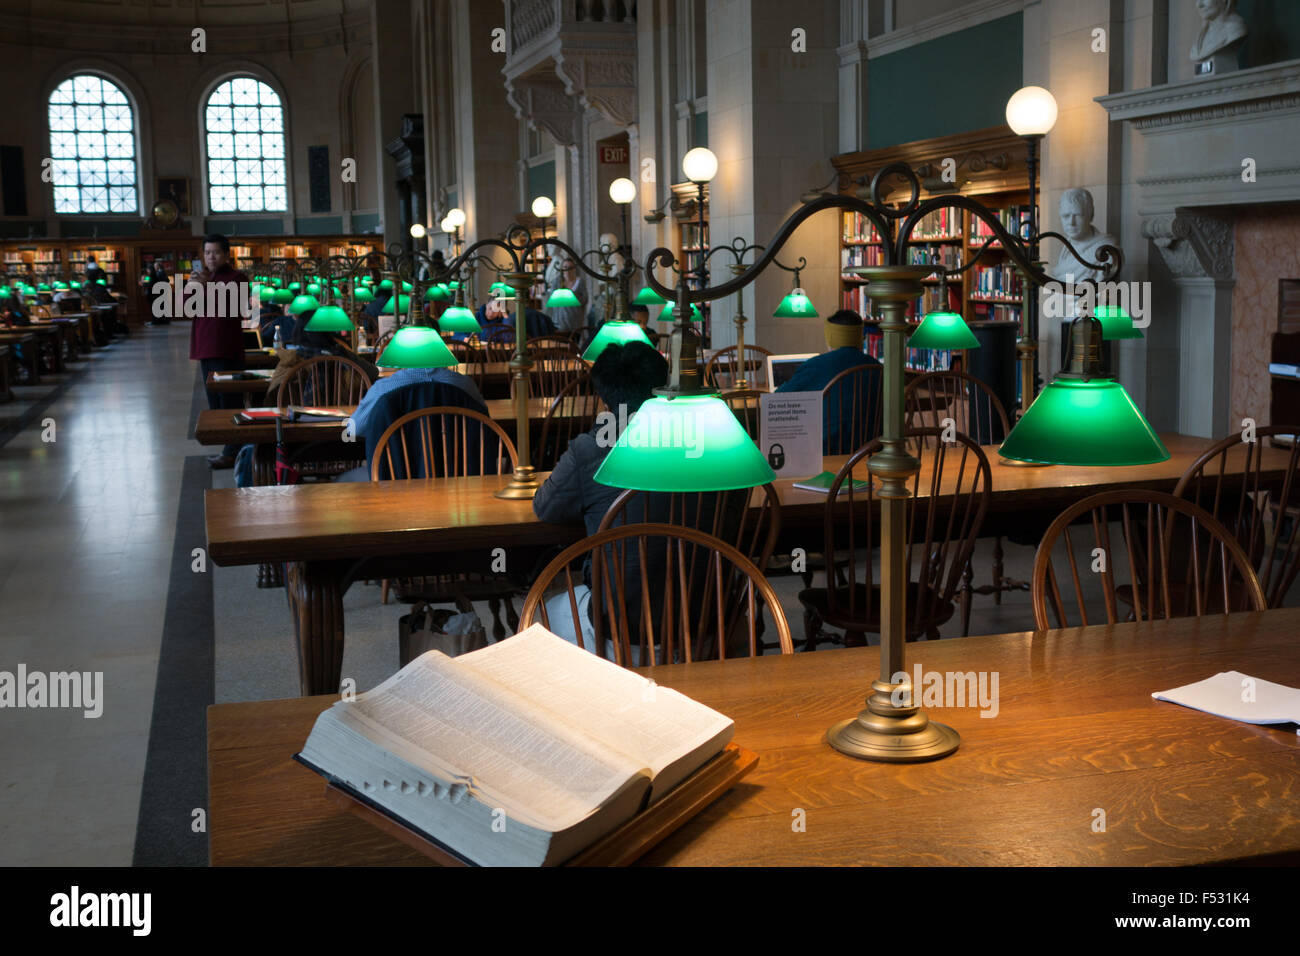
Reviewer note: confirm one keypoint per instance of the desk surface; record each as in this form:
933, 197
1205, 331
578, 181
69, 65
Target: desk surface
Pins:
340, 520
1076, 730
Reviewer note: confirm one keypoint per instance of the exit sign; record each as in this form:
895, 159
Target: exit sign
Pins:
613, 154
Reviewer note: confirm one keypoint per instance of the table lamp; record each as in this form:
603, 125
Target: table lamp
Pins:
943, 330
612, 332
417, 346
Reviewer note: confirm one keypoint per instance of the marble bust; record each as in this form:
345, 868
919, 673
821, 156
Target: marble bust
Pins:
1076, 211
1222, 29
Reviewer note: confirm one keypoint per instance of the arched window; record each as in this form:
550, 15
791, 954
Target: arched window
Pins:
92, 144
244, 129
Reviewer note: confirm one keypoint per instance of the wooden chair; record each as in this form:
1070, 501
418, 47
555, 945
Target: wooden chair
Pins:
723, 368
381, 343
1263, 517
854, 400
449, 442
323, 380
664, 587
552, 375
553, 346
940, 538
744, 404
462, 350
977, 412
1144, 557
723, 514
572, 412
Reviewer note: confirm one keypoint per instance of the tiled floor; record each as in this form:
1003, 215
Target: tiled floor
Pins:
86, 528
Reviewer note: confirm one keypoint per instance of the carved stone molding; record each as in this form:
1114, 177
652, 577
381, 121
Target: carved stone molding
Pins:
541, 100
1192, 245
604, 81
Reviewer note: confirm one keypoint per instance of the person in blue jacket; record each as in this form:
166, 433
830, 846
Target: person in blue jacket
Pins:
843, 332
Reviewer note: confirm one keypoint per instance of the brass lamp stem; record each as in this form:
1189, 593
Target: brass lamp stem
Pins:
1027, 346
523, 482
888, 731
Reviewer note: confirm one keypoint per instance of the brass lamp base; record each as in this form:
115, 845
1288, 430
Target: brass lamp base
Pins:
890, 734
523, 485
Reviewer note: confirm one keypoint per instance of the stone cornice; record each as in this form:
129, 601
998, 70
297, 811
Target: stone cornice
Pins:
153, 39
1232, 175
1207, 98
963, 18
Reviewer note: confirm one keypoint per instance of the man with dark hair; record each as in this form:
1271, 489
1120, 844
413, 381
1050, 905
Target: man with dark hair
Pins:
843, 332
217, 341
624, 377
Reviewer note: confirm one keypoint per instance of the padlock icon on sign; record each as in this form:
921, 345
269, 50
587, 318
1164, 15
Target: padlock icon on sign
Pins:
776, 456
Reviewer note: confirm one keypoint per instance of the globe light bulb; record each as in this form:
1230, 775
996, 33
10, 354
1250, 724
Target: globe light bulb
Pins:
700, 165
1031, 111
417, 230
456, 216
446, 226
622, 191
543, 207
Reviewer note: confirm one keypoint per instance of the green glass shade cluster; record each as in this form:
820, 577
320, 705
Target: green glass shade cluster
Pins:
303, 303
458, 319
282, 296
943, 330
330, 318
562, 298
648, 296
614, 333
362, 294
437, 293
416, 346
1083, 418
1116, 323
796, 305
668, 315
688, 443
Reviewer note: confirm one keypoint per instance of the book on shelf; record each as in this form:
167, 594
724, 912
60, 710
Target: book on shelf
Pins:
1010, 217
941, 224
858, 256
858, 228
822, 483
522, 753
998, 282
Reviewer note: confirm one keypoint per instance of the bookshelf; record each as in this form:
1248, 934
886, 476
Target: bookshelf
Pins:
692, 241
990, 167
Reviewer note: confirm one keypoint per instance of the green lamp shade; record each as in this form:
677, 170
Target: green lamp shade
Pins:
313, 288
407, 287
303, 303
330, 318
691, 443
417, 346
453, 285
562, 298
1073, 422
795, 306
437, 293
5, 292
403, 304
458, 319
281, 296
496, 288
1115, 323
60, 285
648, 296
386, 285
102, 281
43, 287
362, 294
666, 315
76, 284
614, 333
943, 330
295, 286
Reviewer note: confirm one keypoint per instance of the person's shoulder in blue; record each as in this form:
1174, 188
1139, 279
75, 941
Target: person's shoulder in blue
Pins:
843, 332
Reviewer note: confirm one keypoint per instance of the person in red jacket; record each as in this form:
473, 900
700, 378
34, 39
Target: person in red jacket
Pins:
217, 341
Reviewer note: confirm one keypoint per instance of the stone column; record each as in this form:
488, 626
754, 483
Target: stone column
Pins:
390, 30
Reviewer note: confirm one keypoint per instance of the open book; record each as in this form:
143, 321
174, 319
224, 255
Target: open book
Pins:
519, 754
294, 413
1237, 696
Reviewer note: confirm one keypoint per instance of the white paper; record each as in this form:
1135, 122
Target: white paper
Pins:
790, 430
1238, 696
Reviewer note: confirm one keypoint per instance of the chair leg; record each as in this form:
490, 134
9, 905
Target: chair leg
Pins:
997, 570
855, 639
512, 616
383, 591
967, 588
498, 629
812, 627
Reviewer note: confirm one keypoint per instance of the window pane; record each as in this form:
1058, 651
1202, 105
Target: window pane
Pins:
275, 198
64, 172
62, 93
223, 199
117, 118
220, 96
250, 198
121, 173
94, 199
266, 95
112, 94
66, 199
121, 198
93, 172
87, 89
272, 119
218, 119
221, 145
221, 172
90, 117
272, 145
246, 119
244, 91
119, 146
273, 171
91, 145
247, 145
62, 117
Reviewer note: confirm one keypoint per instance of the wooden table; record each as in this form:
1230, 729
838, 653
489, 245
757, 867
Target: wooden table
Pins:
26, 341
1076, 730
333, 534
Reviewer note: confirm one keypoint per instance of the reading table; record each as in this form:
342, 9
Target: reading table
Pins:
1079, 766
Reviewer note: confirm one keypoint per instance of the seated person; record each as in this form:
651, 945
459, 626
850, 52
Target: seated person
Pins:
640, 314
306, 345
843, 332
623, 375
500, 313
272, 317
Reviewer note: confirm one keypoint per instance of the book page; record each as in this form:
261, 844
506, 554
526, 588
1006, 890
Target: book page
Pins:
1236, 696
654, 725
455, 724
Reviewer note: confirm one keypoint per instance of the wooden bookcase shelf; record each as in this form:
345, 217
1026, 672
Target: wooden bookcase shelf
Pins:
990, 167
